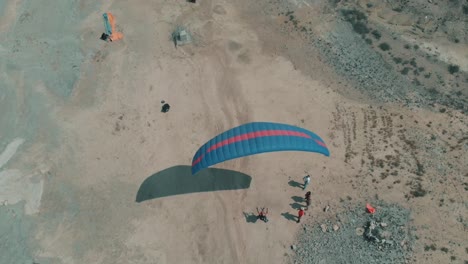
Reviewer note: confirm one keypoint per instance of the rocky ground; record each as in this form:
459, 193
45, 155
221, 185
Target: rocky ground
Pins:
400, 51
356, 236
406, 62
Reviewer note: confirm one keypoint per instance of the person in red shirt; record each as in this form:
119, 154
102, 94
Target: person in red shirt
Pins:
300, 214
262, 214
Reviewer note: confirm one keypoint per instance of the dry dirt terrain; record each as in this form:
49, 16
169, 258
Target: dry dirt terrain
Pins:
354, 72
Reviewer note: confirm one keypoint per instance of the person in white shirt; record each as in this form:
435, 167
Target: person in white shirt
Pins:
306, 181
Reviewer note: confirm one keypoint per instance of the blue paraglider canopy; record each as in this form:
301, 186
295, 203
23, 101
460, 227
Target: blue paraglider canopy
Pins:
254, 138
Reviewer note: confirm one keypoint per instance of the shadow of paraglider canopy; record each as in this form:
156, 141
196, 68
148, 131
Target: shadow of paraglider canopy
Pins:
179, 180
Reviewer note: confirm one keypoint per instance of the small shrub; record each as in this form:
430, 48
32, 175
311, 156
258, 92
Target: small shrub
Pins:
368, 41
405, 71
384, 46
415, 47
361, 28
465, 9
419, 193
427, 75
433, 92
407, 46
397, 60
453, 68
353, 15
413, 63
357, 19
376, 34
430, 247
444, 249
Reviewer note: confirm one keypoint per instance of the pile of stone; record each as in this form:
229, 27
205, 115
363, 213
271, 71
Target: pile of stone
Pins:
376, 233
356, 236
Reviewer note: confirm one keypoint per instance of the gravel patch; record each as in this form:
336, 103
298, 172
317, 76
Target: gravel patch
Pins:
358, 237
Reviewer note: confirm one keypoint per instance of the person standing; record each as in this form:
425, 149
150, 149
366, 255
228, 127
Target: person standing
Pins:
306, 181
262, 215
307, 198
300, 214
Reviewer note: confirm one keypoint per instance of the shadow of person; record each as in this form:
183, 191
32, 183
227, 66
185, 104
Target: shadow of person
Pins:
298, 199
179, 180
250, 217
295, 184
296, 206
289, 216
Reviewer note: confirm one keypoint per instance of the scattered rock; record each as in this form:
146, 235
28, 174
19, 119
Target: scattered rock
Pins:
293, 247
386, 234
322, 243
336, 227
324, 227
383, 224
326, 209
359, 231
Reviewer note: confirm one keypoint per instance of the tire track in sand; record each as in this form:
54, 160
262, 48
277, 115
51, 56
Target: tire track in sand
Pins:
236, 112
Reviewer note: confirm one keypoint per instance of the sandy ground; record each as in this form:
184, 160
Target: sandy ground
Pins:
222, 81
113, 137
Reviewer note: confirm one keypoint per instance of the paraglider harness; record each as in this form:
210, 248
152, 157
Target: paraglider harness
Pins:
262, 215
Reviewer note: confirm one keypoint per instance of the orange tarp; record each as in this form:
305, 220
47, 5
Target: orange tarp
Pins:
114, 35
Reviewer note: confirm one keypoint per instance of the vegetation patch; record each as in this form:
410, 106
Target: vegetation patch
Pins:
405, 71
418, 191
432, 247
384, 46
357, 19
453, 68
397, 60
376, 34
